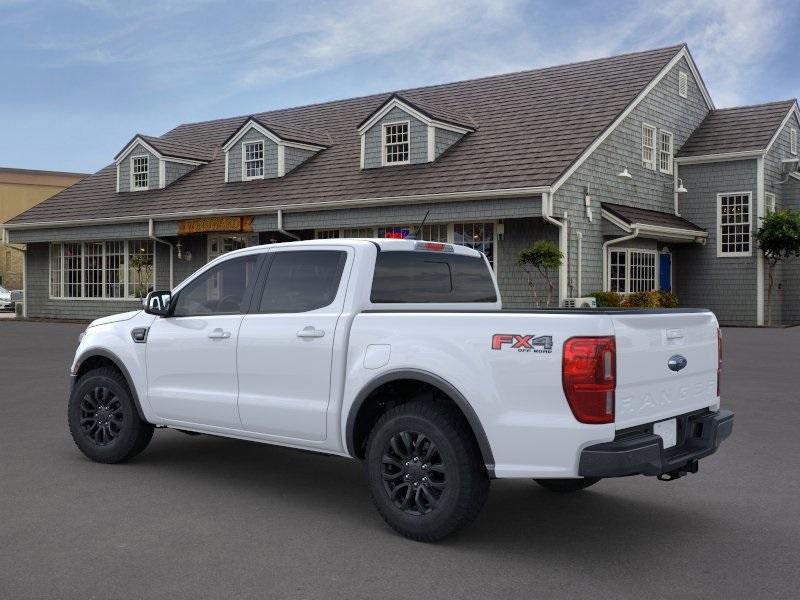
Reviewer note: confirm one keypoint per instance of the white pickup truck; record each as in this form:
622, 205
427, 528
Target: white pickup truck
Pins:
398, 353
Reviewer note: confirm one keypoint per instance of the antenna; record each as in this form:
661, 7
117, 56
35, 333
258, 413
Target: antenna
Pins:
415, 235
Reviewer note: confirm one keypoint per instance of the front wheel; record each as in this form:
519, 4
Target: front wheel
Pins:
564, 486
424, 471
103, 419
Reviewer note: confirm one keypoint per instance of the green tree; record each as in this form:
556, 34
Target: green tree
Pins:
779, 240
142, 265
539, 260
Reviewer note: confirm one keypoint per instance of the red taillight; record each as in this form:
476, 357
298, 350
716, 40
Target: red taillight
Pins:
433, 247
719, 358
589, 371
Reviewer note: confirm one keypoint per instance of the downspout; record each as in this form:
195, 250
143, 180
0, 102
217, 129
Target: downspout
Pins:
563, 242
151, 234
580, 264
618, 240
675, 187
282, 230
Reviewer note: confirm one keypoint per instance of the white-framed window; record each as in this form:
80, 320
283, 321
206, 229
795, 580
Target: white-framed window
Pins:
481, 236
140, 173
734, 212
793, 140
120, 269
632, 270
683, 84
648, 146
253, 160
769, 200
396, 143
665, 152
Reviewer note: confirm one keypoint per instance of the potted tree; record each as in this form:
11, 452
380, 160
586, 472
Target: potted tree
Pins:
779, 240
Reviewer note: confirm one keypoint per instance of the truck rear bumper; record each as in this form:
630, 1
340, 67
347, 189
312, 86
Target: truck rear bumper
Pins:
641, 452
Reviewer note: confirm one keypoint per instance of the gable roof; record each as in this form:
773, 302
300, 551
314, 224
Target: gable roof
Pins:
738, 129
639, 216
282, 131
530, 127
168, 148
431, 112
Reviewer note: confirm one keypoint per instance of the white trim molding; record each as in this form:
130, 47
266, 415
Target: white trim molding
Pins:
754, 226
721, 157
252, 124
520, 192
794, 110
750, 223
658, 232
398, 103
139, 140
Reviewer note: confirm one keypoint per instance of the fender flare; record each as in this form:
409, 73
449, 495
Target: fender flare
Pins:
443, 386
107, 354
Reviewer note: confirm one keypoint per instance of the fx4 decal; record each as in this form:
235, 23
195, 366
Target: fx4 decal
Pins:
542, 344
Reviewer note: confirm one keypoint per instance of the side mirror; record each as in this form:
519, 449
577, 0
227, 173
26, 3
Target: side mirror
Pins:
157, 303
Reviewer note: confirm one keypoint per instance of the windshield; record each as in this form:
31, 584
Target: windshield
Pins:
3, 290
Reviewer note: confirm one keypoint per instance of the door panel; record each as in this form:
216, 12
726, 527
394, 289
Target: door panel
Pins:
191, 355
286, 346
191, 369
665, 272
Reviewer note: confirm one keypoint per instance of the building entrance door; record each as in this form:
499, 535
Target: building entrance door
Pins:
665, 271
220, 243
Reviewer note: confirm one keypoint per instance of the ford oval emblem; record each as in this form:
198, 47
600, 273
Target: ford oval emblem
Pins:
677, 362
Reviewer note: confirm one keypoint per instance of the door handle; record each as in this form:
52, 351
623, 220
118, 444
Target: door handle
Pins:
218, 334
310, 332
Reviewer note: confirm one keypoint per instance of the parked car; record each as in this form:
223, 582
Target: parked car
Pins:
397, 353
5, 299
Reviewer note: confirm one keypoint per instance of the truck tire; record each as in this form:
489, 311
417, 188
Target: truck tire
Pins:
103, 419
563, 486
424, 471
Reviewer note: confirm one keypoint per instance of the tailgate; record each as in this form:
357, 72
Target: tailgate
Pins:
647, 388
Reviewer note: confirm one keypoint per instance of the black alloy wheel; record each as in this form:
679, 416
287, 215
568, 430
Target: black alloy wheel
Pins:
414, 473
101, 415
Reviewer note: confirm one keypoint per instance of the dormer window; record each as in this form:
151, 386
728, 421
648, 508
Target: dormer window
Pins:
253, 153
140, 169
396, 148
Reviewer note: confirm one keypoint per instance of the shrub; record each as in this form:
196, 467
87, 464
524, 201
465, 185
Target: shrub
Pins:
667, 299
607, 299
643, 300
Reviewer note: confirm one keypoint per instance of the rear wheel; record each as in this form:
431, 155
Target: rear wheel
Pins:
425, 473
103, 419
563, 486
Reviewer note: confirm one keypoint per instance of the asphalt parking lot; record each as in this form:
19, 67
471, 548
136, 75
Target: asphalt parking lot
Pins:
204, 517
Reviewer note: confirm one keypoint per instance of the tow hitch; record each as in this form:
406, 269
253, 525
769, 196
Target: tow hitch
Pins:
691, 467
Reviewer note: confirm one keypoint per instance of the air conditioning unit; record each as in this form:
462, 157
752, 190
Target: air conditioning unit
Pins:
588, 302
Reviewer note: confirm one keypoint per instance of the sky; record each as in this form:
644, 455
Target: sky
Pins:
80, 78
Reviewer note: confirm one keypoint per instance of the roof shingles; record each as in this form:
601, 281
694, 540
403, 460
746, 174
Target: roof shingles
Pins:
740, 129
530, 127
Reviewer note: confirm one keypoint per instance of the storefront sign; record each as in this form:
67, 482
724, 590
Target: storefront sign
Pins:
211, 224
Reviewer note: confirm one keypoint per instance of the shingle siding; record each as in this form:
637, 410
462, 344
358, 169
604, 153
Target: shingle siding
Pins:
294, 157
513, 283
726, 285
175, 170
651, 190
125, 169
65, 234
418, 139
270, 156
401, 214
443, 139
786, 287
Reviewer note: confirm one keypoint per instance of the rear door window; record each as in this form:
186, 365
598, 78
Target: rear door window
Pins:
427, 277
302, 280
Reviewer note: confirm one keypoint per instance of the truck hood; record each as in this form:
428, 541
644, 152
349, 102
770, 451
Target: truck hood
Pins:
114, 318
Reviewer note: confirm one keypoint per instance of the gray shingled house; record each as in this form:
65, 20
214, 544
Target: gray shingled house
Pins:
623, 161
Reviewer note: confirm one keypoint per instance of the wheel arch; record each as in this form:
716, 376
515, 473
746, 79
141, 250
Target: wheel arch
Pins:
97, 357
436, 382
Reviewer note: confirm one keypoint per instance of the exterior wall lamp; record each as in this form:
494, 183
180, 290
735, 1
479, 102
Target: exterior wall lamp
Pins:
680, 189
624, 174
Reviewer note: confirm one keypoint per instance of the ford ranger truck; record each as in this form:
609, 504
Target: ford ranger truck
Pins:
398, 353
